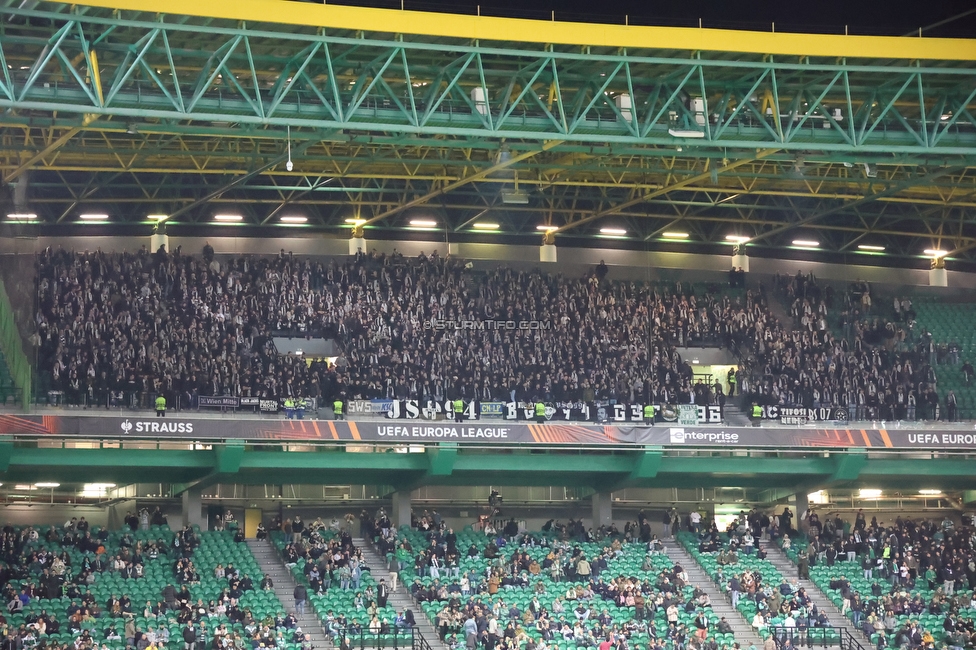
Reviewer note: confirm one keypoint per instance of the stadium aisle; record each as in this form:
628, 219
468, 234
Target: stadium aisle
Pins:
744, 633
399, 598
284, 588
776, 556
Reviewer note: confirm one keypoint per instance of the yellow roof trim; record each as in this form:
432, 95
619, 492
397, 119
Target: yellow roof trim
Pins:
562, 33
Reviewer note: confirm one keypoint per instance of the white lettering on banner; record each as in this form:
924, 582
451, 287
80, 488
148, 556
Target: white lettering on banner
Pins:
941, 439
711, 414
356, 406
582, 412
155, 426
411, 409
803, 415
680, 436
442, 432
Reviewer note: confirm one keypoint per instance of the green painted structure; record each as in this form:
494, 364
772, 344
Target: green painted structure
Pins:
125, 462
153, 68
184, 109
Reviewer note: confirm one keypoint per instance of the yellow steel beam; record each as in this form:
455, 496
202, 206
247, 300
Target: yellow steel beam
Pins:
564, 33
484, 173
51, 148
920, 195
687, 182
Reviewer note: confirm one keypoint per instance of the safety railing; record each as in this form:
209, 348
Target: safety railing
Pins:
389, 636
814, 637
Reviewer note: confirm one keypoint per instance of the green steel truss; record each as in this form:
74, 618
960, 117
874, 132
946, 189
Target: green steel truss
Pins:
135, 113
69, 59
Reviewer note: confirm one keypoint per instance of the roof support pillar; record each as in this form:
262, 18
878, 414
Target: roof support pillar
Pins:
193, 509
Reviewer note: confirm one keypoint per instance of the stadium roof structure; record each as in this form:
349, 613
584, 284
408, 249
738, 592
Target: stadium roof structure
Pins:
303, 118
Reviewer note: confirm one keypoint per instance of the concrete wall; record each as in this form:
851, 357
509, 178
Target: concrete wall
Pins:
48, 515
41, 514
457, 517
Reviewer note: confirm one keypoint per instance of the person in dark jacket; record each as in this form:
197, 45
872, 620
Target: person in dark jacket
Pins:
189, 638
301, 595
382, 593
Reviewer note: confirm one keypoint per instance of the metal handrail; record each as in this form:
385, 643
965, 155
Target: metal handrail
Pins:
362, 638
823, 637
849, 641
419, 642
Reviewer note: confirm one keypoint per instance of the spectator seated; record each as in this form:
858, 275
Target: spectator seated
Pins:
119, 329
902, 581
132, 588
541, 587
755, 586
342, 591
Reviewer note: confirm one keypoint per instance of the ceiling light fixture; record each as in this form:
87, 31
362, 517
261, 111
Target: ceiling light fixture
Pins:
613, 231
27, 216
93, 217
674, 235
806, 243
48, 485
930, 493
686, 133
294, 219
870, 247
738, 239
355, 222
545, 228
423, 223
228, 217
934, 252
157, 217
484, 225
518, 197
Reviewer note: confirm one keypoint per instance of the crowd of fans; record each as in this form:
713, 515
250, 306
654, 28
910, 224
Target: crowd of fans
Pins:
125, 327
913, 568
58, 567
875, 368
888, 576
572, 595
781, 601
